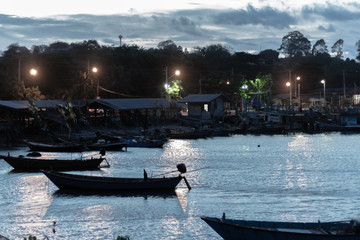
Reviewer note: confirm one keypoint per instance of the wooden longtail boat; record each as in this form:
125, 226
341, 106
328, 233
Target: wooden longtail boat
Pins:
33, 164
265, 230
55, 147
98, 183
145, 143
109, 146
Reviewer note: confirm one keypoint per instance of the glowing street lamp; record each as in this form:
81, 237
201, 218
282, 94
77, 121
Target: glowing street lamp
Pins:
33, 72
323, 82
95, 70
244, 87
176, 73
288, 84
298, 79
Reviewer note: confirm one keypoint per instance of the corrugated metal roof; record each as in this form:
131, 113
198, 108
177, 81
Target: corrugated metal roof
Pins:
24, 104
200, 98
133, 103
55, 103
16, 104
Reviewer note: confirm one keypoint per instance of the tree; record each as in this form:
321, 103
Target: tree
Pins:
259, 85
337, 48
21, 92
269, 54
357, 44
319, 48
169, 45
295, 44
174, 90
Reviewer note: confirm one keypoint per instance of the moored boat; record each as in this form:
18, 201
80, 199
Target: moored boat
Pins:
54, 147
145, 143
65, 181
265, 230
328, 127
111, 146
36, 164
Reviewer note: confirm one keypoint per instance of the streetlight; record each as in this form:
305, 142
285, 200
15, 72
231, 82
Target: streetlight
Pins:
177, 73
298, 79
288, 84
95, 70
33, 72
323, 82
244, 87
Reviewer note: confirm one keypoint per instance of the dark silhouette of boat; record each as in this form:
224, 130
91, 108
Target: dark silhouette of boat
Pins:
36, 164
63, 146
265, 230
66, 181
110, 146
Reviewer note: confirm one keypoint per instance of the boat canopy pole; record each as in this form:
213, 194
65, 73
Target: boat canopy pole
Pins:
187, 183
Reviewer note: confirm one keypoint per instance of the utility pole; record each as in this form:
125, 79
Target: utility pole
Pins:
120, 37
290, 87
344, 84
19, 69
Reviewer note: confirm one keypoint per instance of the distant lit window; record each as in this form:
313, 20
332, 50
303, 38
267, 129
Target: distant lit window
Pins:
206, 107
356, 99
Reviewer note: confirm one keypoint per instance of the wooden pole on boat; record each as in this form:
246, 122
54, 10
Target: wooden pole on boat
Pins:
187, 183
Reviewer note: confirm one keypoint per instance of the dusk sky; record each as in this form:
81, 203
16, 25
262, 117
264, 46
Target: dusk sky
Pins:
242, 26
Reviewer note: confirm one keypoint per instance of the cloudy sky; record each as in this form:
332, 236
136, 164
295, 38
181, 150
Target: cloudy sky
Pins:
241, 25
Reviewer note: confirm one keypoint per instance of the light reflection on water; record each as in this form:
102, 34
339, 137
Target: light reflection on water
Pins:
290, 178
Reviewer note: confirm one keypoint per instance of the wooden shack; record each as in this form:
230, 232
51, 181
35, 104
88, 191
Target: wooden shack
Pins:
205, 106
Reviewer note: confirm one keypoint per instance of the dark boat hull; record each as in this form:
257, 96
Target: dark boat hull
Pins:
329, 127
148, 144
96, 183
107, 146
261, 230
35, 164
61, 147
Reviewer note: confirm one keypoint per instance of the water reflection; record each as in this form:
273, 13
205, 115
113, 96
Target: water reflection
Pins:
131, 194
291, 178
182, 195
180, 150
32, 203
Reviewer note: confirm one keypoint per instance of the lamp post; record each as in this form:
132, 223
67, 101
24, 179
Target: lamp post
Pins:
323, 82
95, 70
177, 73
298, 79
244, 87
288, 84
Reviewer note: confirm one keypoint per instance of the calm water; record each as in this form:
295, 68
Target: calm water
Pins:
286, 178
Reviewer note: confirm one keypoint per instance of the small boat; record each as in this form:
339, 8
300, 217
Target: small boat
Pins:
36, 164
329, 126
145, 143
111, 146
264, 230
194, 134
65, 181
54, 147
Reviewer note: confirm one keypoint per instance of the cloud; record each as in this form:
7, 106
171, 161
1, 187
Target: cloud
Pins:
266, 16
329, 28
248, 29
332, 12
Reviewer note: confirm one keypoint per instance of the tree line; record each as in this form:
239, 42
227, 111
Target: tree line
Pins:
64, 70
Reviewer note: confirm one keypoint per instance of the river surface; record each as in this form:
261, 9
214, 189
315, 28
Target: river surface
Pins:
283, 177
